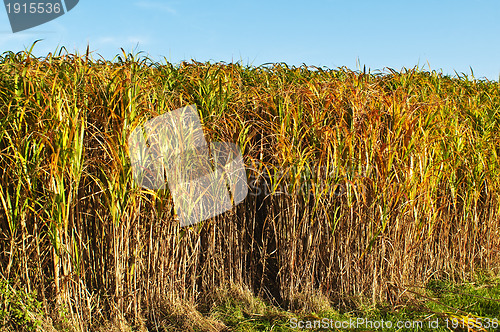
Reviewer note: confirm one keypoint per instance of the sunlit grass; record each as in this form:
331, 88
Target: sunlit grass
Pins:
359, 184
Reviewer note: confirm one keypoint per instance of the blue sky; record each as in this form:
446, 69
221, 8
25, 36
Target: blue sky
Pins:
448, 35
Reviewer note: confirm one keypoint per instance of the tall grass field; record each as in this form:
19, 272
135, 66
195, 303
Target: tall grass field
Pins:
361, 186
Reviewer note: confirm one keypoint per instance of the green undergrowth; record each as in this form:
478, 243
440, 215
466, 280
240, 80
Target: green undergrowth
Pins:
442, 305
19, 310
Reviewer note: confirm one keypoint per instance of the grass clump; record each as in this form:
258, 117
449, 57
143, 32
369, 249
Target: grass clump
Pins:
19, 310
240, 310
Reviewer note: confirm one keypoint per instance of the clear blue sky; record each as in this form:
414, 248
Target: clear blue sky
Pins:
448, 34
